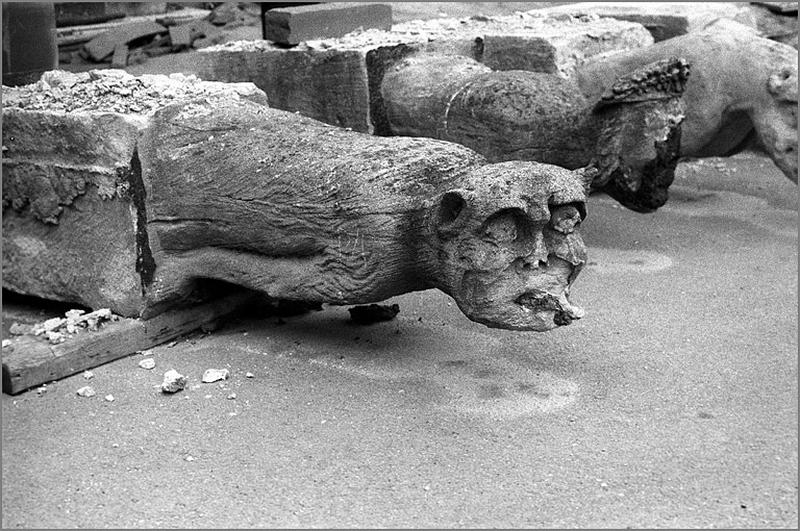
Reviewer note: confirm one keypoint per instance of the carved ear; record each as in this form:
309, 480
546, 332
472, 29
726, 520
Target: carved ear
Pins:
783, 84
587, 176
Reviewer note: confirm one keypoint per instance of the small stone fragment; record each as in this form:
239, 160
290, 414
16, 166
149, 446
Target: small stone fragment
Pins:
189, 458
213, 375
6, 343
50, 325
147, 352
148, 363
109, 398
74, 315
88, 375
86, 391
173, 381
55, 337
249, 375
18, 329
232, 396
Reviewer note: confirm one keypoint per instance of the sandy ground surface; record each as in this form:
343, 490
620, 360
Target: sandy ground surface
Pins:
673, 403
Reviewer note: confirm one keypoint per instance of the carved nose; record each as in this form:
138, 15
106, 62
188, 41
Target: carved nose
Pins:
565, 218
536, 256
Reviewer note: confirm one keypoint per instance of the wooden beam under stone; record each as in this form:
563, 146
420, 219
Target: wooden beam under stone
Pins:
30, 360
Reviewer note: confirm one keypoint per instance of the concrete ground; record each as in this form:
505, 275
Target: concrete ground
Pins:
673, 403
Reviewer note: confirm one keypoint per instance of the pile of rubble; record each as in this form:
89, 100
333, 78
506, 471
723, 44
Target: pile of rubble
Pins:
112, 91
135, 39
59, 329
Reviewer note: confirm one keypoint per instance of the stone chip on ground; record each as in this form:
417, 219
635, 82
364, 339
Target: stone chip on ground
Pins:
173, 382
214, 375
147, 363
86, 391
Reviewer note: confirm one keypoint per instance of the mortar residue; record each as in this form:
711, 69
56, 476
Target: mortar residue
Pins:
116, 91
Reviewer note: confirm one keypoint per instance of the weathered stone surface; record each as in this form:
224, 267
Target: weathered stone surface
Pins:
337, 80
293, 25
544, 117
232, 191
72, 190
741, 84
663, 20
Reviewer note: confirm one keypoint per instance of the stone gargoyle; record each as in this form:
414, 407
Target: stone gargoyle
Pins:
135, 210
742, 86
303, 211
629, 131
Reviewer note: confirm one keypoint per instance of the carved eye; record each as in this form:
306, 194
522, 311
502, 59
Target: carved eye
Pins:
451, 206
502, 226
566, 218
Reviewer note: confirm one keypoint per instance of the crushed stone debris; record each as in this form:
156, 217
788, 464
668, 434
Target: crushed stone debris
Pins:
86, 391
173, 382
214, 375
189, 458
113, 90
424, 31
6, 343
88, 375
59, 329
148, 363
231, 396
249, 375
109, 398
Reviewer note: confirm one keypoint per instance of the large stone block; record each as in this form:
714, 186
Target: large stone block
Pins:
663, 20
293, 25
337, 80
73, 196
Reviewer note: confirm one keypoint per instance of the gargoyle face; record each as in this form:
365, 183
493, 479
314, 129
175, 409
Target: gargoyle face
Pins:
508, 246
776, 119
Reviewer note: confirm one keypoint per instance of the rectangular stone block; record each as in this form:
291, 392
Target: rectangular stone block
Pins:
74, 218
663, 20
293, 25
337, 81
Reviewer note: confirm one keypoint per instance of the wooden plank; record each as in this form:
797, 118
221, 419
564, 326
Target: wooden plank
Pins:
103, 45
293, 25
120, 57
79, 34
31, 360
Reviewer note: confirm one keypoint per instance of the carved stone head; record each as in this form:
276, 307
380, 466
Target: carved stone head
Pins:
506, 245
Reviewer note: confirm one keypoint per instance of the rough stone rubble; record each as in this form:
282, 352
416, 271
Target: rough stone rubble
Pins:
113, 90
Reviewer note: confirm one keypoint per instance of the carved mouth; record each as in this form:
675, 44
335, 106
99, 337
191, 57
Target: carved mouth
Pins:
542, 301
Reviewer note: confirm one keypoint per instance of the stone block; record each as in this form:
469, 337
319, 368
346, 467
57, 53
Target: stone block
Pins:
293, 25
74, 224
337, 80
663, 20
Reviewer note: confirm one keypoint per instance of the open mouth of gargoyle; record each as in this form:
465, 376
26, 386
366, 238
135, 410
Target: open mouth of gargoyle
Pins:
539, 301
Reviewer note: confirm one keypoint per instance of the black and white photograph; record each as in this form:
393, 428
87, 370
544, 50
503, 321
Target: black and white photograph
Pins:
410, 265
